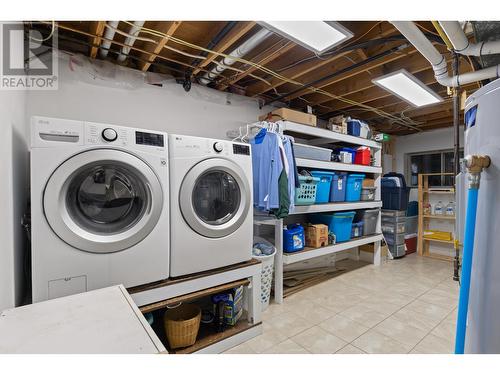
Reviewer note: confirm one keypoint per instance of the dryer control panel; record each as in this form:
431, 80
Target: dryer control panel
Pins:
189, 146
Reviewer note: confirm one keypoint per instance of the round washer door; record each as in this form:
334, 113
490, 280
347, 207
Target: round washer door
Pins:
215, 197
103, 200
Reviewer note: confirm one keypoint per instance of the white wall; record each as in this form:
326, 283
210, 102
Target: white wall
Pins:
13, 195
440, 139
110, 94
100, 93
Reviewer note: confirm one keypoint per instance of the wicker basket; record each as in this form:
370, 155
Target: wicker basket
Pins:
182, 325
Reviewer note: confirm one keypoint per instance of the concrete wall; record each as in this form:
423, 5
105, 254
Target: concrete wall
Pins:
13, 195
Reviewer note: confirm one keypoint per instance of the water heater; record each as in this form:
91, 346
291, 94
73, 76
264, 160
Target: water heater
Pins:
482, 136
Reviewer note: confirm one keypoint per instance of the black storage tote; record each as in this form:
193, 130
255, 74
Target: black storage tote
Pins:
394, 197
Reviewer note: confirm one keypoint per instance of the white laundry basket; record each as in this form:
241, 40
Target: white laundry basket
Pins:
266, 279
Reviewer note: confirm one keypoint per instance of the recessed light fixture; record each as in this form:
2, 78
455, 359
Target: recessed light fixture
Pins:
408, 87
317, 36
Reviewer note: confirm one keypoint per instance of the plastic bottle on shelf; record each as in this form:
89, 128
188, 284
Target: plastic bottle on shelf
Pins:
450, 209
427, 209
438, 208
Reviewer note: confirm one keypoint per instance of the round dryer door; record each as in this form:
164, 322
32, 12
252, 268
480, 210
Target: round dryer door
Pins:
215, 197
103, 200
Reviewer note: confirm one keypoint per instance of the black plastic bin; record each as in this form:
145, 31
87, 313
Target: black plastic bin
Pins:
394, 197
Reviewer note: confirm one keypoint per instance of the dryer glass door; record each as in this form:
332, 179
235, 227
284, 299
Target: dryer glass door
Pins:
215, 197
103, 200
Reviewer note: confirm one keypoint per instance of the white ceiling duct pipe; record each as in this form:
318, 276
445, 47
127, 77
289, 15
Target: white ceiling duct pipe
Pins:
109, 34
241, 51
461, 43
134, 32
438, 62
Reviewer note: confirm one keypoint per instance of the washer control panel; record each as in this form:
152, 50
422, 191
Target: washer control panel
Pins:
54, 132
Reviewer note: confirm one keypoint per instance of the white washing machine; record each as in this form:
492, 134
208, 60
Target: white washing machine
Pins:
99, 206
211, 204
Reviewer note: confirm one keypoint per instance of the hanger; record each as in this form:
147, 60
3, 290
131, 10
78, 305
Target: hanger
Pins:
239, 135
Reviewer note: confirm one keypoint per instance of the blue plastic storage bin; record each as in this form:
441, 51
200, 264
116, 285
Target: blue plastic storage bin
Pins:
357, 229
351, 151
293, 238
354, 127
340, 223
354, 185
323, 186
338, 188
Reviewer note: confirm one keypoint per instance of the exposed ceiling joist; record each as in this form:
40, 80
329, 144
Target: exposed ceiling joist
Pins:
237, 33
304, 71
281, 48
97, 28
167, 28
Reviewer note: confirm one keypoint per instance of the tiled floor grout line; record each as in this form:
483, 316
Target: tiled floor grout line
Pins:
414, 298
418, 296
432, 329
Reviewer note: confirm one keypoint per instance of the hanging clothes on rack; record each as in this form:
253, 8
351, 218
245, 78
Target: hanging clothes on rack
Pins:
292, 170
274, 171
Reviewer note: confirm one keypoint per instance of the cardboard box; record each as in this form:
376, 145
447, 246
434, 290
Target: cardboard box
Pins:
289, 115
368, 182
338, 124
316, 235
370, 248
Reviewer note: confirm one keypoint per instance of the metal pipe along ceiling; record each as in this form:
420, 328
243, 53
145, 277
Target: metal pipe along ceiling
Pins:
240, 51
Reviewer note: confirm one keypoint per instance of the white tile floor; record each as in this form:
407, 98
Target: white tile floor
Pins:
406, 305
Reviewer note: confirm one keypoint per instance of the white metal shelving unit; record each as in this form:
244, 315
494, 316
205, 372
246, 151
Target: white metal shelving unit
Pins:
323, 137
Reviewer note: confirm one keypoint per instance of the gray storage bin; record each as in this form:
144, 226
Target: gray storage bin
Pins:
394, 239
411, 225
397, 251
369, 219
391, 227
368, 193
312, 152
393, 213
393, 220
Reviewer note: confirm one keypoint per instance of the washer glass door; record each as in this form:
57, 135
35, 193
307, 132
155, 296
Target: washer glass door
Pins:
103, 200
215, 197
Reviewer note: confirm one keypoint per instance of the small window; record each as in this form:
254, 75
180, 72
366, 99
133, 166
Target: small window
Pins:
431, 162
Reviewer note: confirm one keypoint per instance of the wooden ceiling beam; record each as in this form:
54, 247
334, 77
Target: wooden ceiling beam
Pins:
348, 75
361, 84
298, 72
232, 37
368, 94
97, 28
276, 51
168, 28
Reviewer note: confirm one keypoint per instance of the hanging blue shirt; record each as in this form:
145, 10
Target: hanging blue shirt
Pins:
267, 167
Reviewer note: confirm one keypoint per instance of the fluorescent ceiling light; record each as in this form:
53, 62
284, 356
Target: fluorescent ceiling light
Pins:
318, 36
408, 87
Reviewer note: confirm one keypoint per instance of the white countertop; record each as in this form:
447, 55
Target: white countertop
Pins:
103, 321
